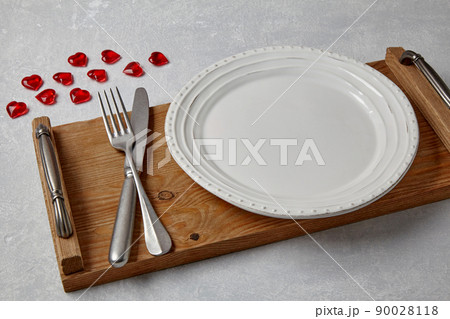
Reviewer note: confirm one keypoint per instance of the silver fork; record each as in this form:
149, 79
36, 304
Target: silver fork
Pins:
157, 239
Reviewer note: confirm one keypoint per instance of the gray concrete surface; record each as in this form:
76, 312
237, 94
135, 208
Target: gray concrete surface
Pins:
400, 256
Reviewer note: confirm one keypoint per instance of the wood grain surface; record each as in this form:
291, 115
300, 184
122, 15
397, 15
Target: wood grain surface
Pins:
422, 93
200, 224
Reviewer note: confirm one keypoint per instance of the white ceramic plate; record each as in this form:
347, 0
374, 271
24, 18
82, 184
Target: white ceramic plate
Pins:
355, 132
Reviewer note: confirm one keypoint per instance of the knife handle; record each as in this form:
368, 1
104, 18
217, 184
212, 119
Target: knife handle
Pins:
53, 178
119, 250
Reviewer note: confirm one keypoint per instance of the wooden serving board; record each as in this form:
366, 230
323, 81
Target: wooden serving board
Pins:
200, 224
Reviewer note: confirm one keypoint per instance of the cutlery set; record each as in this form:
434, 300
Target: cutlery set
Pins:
123, 227
122, 137
200, 225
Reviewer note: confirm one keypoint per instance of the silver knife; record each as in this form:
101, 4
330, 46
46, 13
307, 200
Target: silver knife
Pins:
119, 250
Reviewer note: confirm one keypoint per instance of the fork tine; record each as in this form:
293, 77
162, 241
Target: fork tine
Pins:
105, 119
125, 114
111, 114
119, 118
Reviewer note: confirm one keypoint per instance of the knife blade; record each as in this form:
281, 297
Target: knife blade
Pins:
119, 250
139, 123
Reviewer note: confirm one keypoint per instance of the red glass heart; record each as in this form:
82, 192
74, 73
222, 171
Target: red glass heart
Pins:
110, 57
78, 96
64, 78
98, 75
133, 69
47, 97
158, 59
78, 59
16, 109
32, 82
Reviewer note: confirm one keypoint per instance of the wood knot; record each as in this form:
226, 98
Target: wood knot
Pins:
165, 195
194, 236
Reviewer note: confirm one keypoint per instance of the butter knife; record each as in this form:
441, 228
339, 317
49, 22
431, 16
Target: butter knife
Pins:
120, 247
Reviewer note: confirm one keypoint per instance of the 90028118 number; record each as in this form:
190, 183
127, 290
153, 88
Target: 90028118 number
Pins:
404, 311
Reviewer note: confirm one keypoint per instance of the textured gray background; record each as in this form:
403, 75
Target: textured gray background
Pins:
401, 256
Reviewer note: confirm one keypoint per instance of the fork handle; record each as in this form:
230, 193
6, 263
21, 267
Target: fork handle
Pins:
157, 238
119, 250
